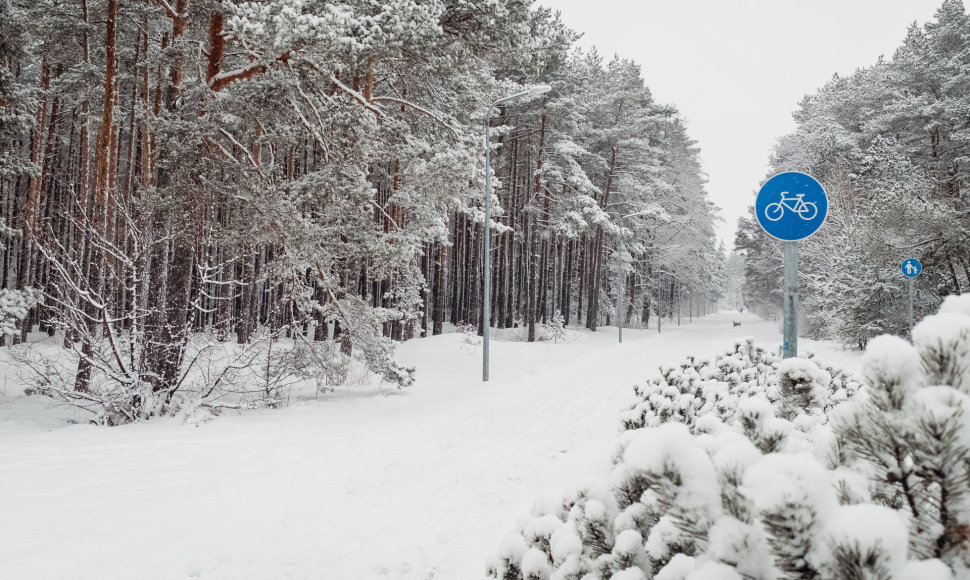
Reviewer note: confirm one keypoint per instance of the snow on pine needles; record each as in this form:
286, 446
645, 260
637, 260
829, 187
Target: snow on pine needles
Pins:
749, 467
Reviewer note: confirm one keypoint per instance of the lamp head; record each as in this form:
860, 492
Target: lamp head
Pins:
538, 90
528, 93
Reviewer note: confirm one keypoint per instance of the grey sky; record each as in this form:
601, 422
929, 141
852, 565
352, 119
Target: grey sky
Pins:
736, 69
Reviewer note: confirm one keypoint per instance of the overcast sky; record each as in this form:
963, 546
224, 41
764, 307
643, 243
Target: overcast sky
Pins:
736, 69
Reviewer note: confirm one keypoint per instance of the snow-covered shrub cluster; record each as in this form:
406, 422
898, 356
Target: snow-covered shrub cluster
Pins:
698, 387
221, 375
747, 467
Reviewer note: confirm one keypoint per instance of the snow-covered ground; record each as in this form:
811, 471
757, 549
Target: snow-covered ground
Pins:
380, 484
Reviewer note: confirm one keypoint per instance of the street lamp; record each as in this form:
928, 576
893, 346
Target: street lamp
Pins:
486, 257
619, 274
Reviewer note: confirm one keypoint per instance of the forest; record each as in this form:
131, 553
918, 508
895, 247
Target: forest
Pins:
890, 144
207, 199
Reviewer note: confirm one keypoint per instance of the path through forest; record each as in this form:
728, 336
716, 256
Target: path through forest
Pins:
415, 485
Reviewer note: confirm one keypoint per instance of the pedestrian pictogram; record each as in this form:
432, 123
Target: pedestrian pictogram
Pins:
911, 268
791, 206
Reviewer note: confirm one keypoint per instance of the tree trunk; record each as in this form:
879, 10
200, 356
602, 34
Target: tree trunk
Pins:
244, 326
581, 268
440, 290
534, 264
631, 289
531, 275
597, 250
103, 196
171, 284
567, 280
32, 209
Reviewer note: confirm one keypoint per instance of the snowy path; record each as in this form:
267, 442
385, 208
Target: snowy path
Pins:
418, 485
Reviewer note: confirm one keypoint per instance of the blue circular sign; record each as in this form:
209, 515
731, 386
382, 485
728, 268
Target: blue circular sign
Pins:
791, 206
911, 267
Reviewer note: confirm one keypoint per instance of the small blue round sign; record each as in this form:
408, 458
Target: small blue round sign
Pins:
791, 206
911, 267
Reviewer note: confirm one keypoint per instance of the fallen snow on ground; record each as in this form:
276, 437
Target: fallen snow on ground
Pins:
376, 484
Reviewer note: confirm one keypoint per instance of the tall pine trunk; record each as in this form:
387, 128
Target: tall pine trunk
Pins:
533, 269
597, 250
32, 209
171, 283
103, 196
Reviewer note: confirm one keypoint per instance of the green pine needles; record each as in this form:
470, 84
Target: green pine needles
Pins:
747, 466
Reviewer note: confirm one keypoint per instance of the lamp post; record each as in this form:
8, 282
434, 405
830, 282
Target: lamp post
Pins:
486, 256
619, 275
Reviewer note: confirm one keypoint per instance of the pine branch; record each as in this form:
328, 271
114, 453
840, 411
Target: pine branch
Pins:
168, 9
419, 109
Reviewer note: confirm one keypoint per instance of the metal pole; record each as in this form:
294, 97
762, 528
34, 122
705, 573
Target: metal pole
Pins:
790, 307
660, 314
911, 281
486, 293
487, 237
619, 285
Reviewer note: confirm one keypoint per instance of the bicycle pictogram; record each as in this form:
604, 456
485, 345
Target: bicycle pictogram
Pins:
791, 193
806, 210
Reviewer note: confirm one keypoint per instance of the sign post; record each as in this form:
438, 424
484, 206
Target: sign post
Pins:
790, 207
911, 269
790, 294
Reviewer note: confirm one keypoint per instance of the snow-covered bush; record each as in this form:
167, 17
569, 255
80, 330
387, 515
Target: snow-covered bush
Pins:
221, 375
750, 467
555, 329
911, 432
14, 306
698, 387
469, 331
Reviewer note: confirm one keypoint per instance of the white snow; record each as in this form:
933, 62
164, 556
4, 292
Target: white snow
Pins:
672, 444
891, 362
677, 569
734, 541
595, 510
629, 574
758, 410
358, 485
713, 571
956, 304
535, 564
628, 542
871, 527
734, 451
799, 369
565, 542
514, 547
945, 405
664, 533
780, 478
543, 527
926, 570
946, 333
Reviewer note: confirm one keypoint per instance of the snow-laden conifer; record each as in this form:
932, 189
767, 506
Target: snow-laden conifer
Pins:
747, 466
